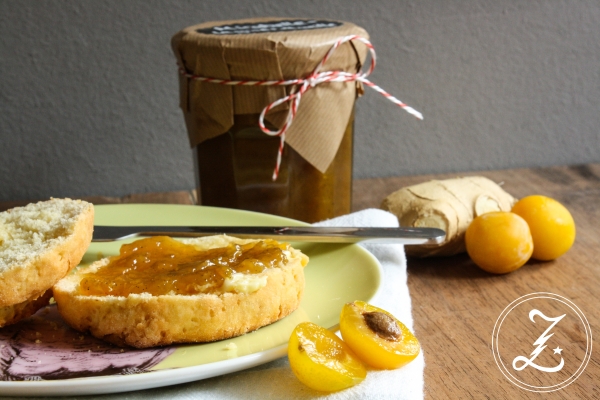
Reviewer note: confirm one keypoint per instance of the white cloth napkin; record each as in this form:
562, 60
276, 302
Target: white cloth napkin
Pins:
275, 380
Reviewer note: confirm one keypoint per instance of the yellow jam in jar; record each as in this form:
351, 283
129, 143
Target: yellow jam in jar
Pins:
235, 171
161, 265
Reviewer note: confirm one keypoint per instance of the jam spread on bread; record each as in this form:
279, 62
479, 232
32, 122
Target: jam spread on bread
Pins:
161, 265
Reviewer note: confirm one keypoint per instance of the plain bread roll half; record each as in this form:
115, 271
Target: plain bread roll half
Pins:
40, 244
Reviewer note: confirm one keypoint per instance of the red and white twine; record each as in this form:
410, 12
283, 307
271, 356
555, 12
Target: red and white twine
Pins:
304, 84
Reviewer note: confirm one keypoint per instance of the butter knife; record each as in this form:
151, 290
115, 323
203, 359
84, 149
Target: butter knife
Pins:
410, 236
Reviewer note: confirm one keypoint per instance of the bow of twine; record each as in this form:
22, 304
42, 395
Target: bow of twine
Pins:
316, 77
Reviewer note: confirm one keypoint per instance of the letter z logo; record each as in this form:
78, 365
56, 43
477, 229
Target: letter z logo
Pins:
541, 345
559, 354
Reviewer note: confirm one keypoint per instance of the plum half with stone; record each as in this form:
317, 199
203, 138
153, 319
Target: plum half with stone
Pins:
321, 360
377, 337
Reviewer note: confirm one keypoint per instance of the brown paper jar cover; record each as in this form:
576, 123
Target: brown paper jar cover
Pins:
269, 49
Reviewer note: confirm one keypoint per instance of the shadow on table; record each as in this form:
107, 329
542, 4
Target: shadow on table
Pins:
460, 266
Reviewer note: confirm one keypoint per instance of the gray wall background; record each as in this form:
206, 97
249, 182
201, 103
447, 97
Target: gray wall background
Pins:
89, 94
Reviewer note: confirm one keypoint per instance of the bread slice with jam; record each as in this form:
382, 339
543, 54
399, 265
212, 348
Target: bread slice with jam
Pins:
196, 290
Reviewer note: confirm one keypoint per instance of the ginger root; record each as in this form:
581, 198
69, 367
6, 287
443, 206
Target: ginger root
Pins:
449, 205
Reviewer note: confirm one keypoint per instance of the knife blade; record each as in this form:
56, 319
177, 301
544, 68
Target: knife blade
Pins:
410, 236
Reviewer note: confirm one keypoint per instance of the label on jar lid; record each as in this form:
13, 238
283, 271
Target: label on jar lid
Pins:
269, 49
269, 26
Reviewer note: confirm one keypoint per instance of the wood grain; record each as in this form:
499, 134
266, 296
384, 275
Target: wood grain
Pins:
455, 304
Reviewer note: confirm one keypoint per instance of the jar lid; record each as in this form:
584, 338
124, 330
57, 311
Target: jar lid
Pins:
269, 49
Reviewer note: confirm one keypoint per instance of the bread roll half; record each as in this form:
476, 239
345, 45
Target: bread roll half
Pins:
143, 320
39, 244
16, 312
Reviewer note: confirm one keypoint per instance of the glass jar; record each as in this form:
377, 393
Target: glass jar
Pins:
230, 71
235, 170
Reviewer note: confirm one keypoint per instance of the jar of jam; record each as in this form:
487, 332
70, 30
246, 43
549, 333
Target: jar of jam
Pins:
235, 159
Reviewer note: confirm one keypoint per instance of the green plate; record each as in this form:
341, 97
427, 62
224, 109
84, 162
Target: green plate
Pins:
336, 274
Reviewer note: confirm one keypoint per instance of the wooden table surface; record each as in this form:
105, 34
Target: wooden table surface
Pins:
456, 305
